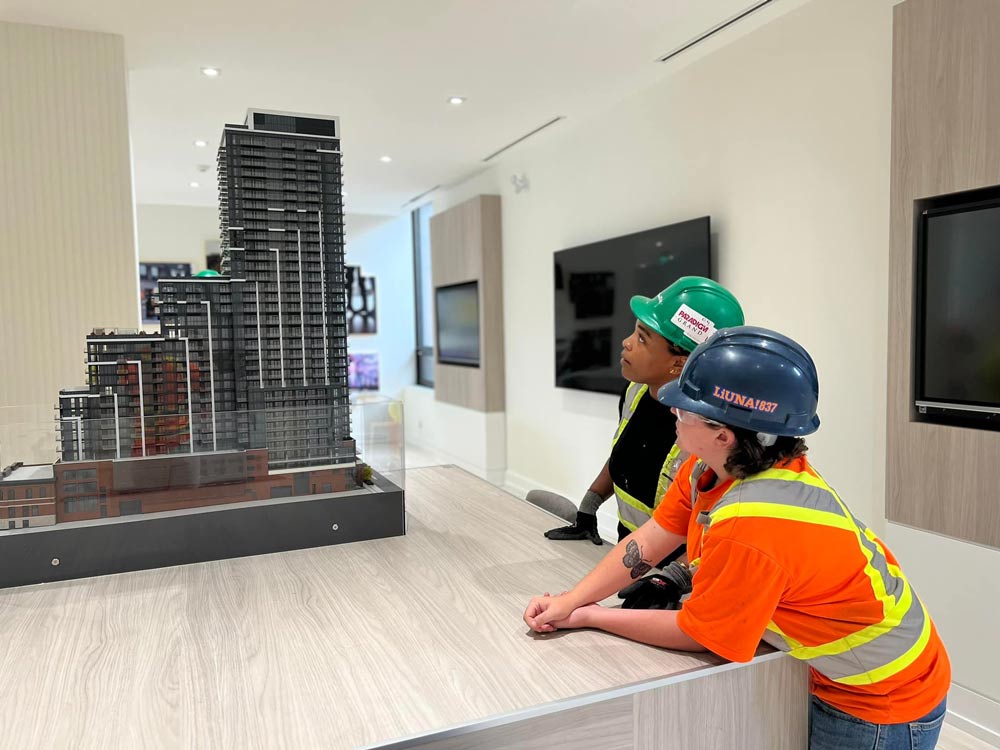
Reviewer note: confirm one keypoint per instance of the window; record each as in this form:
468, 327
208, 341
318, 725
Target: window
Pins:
12, 512
34, 510
29, 493
43, 491
69, 489
69, 476
281, 492
423, 293
81, 505
126, 508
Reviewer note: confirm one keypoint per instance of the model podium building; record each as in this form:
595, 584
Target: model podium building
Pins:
242, 395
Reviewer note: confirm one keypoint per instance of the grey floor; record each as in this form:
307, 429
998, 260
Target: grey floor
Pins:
956, 739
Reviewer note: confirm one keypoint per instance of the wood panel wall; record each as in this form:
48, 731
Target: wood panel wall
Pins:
945, 139
67, 240
466, 246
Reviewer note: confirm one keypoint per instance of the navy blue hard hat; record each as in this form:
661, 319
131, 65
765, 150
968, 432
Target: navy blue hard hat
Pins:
752, 378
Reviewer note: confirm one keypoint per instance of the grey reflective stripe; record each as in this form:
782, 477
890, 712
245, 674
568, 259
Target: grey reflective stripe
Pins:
776, 640
888, 647
699, 468
799, 495
780, 492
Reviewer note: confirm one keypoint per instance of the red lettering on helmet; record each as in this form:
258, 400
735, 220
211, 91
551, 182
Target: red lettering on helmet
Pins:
747, 402
696, 323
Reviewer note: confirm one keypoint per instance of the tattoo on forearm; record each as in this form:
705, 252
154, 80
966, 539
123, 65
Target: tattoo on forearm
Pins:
633, 560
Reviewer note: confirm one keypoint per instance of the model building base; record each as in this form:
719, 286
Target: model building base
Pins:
92, 548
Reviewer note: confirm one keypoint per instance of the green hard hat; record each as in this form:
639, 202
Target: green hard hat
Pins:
689, 311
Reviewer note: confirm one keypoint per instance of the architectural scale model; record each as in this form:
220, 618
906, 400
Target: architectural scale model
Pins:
242, 394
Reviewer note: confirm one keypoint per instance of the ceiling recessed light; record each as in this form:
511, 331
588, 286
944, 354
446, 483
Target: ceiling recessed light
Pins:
200, 143
210, 72
194, 184
456, 100
385, 159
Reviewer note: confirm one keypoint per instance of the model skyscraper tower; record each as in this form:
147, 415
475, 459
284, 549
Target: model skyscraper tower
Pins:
257, 357
283, 247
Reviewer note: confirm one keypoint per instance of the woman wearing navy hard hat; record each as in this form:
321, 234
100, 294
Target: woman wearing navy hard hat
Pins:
775, 553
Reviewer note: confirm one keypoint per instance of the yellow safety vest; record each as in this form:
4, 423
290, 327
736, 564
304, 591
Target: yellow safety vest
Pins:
632, 512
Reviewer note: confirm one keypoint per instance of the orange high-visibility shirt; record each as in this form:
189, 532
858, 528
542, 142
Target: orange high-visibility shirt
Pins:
783, 559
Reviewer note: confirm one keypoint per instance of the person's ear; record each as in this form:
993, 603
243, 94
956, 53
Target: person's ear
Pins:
726, 438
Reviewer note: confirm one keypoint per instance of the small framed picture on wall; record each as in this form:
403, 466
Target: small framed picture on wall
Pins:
361, 312
362, 371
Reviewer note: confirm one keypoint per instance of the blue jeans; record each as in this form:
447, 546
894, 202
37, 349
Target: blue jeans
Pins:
830, 729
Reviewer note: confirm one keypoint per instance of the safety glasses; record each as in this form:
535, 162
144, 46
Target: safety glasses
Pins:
689, 417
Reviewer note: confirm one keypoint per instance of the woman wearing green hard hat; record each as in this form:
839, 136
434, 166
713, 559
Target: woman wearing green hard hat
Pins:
644, 455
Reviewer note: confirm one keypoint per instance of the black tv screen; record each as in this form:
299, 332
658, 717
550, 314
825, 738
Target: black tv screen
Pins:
593, 286
457, 314
958, 305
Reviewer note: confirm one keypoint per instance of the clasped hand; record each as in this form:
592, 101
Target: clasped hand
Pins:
546, 614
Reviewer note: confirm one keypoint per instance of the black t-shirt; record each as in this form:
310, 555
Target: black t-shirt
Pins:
638, 456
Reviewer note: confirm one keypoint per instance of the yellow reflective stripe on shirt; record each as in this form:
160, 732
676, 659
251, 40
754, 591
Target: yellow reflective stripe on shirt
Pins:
666, 478
861, 637
878, 585
792, 643
630, 409
631, 502
786, 512
628, 525
896, 665
787, 475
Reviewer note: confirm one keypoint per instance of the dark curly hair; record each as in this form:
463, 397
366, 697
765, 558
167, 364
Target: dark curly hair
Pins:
749, 457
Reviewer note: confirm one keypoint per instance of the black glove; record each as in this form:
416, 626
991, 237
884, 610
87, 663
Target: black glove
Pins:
651, 592
658, 591
585, 527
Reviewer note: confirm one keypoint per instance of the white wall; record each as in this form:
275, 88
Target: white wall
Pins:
176, 234
383, 247
782, 136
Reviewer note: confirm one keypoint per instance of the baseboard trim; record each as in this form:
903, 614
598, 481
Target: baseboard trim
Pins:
974, 714
494, 475
519, 485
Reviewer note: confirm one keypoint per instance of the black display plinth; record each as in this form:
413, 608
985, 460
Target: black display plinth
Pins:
93, 548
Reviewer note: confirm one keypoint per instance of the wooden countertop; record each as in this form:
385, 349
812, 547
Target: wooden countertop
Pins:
337, 647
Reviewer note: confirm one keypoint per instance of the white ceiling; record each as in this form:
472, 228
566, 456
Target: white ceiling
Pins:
385, 67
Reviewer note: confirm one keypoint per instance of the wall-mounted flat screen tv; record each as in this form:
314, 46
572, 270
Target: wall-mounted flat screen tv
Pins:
593, 285
957, 305
456, 309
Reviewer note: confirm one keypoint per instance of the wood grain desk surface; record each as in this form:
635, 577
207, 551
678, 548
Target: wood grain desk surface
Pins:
337, 647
